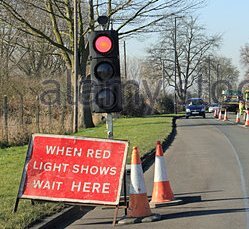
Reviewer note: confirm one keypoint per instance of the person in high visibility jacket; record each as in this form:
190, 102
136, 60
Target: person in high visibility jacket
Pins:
241, 106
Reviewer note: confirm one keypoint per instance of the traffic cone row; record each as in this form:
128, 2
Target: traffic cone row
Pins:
237, 120
218, 114
139, 206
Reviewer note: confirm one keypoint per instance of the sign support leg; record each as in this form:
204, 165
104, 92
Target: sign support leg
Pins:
115, 215
16, 205
109, 127
125, 194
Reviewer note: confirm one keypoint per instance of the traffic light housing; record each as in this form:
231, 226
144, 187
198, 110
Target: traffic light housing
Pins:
105, 71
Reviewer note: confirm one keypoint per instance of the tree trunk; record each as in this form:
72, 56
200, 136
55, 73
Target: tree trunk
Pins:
86, 120
85, 99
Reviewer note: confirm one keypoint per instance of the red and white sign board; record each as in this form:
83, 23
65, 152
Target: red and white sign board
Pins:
74, 169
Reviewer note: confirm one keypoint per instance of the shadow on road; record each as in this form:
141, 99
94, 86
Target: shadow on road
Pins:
201, 213
195, 199
202, 192
221, 123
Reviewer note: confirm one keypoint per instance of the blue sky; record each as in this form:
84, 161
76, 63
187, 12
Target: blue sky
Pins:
227, 17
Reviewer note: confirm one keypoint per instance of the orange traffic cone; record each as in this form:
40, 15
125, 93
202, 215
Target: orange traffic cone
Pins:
162, 191
237, 120
138, 200
139, 208
225, 116
247, 118
220, 115
215, 113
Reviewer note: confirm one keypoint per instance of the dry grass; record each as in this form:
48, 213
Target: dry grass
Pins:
18, 134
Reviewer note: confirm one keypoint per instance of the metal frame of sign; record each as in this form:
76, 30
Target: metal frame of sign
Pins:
68, 200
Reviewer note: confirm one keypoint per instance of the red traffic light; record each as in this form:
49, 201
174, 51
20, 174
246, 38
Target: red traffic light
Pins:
106, 88
103, 44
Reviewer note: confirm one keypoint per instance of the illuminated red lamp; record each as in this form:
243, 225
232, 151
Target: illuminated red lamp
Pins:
103, 44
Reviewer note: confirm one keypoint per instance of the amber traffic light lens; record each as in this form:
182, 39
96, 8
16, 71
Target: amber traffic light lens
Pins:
104, 71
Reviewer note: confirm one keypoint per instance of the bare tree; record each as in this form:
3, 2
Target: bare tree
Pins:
217, 69
37, 58
8, 37
56, 26
244, 55
183, 54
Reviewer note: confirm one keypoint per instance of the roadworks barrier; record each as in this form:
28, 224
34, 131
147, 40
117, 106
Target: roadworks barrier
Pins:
139, 209
162, 194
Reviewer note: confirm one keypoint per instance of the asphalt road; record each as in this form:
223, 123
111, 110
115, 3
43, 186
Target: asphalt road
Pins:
208, 168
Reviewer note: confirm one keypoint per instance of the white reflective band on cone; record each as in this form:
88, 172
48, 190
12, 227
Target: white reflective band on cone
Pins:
160, 170
137, 185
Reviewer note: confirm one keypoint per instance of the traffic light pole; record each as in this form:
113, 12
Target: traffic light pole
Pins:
109, 126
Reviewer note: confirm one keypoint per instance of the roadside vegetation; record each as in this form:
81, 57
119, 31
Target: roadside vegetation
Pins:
142, 132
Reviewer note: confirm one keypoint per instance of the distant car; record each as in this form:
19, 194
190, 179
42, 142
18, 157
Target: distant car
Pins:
213, 107
195, 107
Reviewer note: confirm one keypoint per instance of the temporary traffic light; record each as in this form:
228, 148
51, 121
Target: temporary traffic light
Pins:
105, 71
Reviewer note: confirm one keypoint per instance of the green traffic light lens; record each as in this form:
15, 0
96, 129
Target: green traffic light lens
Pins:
106, 99
104, 71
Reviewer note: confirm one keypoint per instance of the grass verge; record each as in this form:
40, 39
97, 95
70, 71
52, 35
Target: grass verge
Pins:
141, 132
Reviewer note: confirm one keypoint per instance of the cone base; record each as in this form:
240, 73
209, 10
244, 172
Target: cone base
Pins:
166, 203
138, 205
162, 192
147, 219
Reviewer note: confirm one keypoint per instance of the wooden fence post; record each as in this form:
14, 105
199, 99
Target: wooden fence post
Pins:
37, 114
5, 120
50, 114
21, 111
72, 120
63, 115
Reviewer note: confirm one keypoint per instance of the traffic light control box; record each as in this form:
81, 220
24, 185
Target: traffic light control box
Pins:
105, 71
